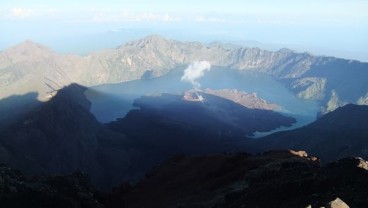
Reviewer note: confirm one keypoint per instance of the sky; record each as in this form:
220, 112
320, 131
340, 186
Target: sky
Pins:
323, 27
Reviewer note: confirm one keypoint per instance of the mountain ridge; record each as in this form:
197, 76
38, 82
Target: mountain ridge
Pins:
308, 76
62, 136
338, 134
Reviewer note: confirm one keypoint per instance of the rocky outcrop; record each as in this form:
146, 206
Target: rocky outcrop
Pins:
309, 87
337, 203
363, 100
333, 103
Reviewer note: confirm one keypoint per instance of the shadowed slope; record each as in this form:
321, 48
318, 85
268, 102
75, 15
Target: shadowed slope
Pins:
273, 179
61, 136
336, 135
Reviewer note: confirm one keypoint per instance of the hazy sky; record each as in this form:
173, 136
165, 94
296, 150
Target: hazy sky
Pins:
331, 27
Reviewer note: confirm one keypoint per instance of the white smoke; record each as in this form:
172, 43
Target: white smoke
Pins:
195, 71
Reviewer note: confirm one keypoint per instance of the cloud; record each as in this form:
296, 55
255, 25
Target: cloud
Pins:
210, 19
21, 13
32, 13
168, 18
195, 71
127, 16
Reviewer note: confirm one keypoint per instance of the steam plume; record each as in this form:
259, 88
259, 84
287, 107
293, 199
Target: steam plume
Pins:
195, 71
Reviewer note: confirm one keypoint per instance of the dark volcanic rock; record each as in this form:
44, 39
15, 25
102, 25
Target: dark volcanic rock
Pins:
74, 190
282, 178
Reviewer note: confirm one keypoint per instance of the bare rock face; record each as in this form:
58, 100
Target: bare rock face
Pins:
362, 164
337, 203
300, 153
333, 103
309, 87
363, 100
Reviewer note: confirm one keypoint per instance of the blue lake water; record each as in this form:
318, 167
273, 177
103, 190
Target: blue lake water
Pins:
113, 101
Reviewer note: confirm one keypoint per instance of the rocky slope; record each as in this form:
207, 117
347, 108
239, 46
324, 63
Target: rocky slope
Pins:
15, 107
249, 100
74, 190
32, 67
61, 136
273, 179
338, 134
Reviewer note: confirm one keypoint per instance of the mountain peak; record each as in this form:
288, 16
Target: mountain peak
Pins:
148, 40
29, 45
286, 50
27, 50
154, 37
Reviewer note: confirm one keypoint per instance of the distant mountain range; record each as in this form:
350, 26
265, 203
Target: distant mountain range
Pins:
30, 67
